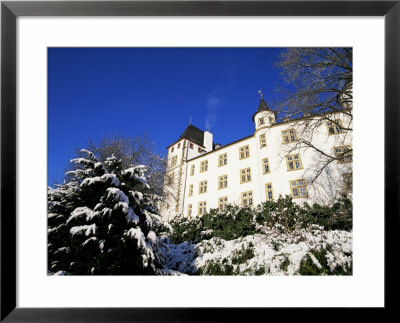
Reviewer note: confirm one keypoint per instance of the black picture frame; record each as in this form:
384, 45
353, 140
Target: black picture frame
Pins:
10, 10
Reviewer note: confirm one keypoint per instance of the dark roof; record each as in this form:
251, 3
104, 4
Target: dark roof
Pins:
263, 107
193, 134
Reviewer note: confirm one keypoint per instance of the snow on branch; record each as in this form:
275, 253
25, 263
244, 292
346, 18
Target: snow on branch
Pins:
101, 179
84, 229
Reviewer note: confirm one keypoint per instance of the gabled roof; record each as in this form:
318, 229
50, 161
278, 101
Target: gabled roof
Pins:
193, 134
263, 107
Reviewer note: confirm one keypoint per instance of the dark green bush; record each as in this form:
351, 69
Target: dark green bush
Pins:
285, 264
215, 268
233, 223
186, 229
308, 268
242, 255
282, 214
260, 271
290, 215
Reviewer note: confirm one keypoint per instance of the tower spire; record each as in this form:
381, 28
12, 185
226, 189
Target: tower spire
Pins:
262, 106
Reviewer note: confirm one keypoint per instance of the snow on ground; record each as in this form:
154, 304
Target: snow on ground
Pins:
269, 253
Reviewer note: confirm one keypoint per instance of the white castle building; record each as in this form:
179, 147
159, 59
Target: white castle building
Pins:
309, 158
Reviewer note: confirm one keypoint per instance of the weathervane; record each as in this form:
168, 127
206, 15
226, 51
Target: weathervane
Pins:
260, 92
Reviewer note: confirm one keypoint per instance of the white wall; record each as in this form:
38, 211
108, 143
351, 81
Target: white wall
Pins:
323, 190
208, 141
183, 152
266, 115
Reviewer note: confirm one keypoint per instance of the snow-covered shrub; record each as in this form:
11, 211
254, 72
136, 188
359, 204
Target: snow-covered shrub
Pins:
301, 252
242, 255
232, 223
283, 215
186, 229
103, 221
275, 238
287, 215
216, 268
320, 262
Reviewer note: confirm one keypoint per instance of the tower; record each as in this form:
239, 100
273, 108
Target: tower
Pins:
192, 143
264, 116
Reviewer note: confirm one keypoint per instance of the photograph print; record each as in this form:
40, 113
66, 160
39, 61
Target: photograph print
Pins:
200, 161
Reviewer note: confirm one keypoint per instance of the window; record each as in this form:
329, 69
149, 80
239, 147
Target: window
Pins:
298, 188
293, 162
335, 127
263, 141
192, 170
222, 182
244, 152
170, 179
247, 198
260, 121
174, 161
202, 208
289, 136
191, 145
179, 145
189, 211
245, 175
222, 160
199, 150
344, 154
265, 166
348, 182
172, 149
202, 187
222, 202
271, 120
268, 192
203, 166
191, 190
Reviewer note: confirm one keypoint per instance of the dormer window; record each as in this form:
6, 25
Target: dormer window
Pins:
260, 121
179, 145
191, 145
172, 149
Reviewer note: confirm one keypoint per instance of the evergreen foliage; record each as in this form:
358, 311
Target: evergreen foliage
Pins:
103, 221
319, 265
242, 255
282, 214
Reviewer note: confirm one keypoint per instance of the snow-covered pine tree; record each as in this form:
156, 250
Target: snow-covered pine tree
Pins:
103, 221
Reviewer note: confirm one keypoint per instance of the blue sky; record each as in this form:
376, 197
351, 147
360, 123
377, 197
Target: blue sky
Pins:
95, 92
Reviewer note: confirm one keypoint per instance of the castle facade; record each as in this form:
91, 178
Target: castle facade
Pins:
309, 158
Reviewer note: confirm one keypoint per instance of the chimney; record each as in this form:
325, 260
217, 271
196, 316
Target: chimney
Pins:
208, 141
